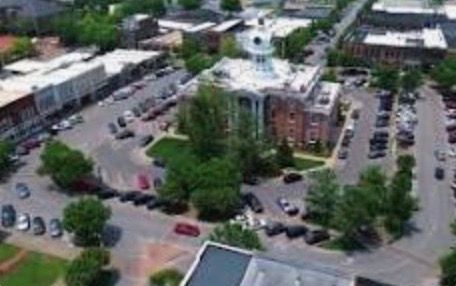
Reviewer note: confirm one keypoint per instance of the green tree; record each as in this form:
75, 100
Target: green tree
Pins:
235, 235
330, 75
406, 162
448, 269
64, 165
296, 42
6, 148
230, 5
411, 80
386, 78
99, 30
217, 203
228, 47
87, 268
86, 219
284, 155
155, 7
166, 277
374, 183
189, 48
206, 119
198, 62
445, 73
22, 47
190, 4
323, 196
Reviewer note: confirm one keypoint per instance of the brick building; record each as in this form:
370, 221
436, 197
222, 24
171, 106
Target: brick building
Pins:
286, 101
136, 28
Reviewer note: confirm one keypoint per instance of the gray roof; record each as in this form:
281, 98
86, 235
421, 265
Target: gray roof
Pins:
221, 267
32, 8
268, 272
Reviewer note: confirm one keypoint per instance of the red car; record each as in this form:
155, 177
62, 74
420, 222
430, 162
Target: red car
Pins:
187, 229
31, 144
143, 182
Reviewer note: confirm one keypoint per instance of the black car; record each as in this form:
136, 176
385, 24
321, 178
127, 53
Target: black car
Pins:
8, 216
38, 226
154, 203
128, 196
292, 178
124, 134
55, 228
378, 140
316, 236
107, 193
252, 201
342, 154
112, 128
142, 199
121, 121
380, 122
157, 183
376, 154
145, 140
439, 173
274, 228
295, 231
159, 162
381, 134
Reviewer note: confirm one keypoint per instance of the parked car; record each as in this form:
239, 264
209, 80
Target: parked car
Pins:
295, 231
38, 226
121, 121
142, 199
136, 112
8, 216
22, 190
376, 154
252, 201
187, 229
274, 228
292, 178
55, 228
23, 222
146, 140
107, 193
342, 154
124, 134
154, 203
75, 119
128, 196
287, 207
112, 128
31, 143
129, 116
440, 155
159, 162
21, 151
142, 182
316, 236
439, 173
157, 183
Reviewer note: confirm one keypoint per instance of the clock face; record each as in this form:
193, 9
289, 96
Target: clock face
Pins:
257, 41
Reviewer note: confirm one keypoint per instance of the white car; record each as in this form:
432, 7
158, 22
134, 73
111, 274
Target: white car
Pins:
23, 222
452, 152
129, 116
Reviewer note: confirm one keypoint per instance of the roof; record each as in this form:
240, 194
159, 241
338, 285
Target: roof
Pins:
6, 42
220, 264
230, 266
174, 25
116, 60
426, 38
226, 25
200, 27
8, 97
32, 8
415, 7
281, 27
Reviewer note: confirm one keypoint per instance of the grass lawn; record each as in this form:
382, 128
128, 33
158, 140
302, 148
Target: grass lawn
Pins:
304, 164
169, 148
7, 251
36, 269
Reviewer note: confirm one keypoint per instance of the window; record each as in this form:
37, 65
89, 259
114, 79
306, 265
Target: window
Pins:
292, 116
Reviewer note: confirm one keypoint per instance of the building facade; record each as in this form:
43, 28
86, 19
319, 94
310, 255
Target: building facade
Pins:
136, 28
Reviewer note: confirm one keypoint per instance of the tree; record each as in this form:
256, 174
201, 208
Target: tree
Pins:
323, 196
406, 162
235, 235
296, 41
284, 155
99, 30
198, 62
217, 203
374, 183
189, 48
22, 47
386, 78
330, 76
155, 7
64, 165
228, 47
230, 5
206, 119
6, 148
190, 4
453, 228
87, 268
448, 268
445, 73
411, 80
166, 277
86, 219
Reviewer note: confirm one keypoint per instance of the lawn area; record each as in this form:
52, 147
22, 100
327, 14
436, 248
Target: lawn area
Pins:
36, 269
7, 251
304, 164
169, 148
